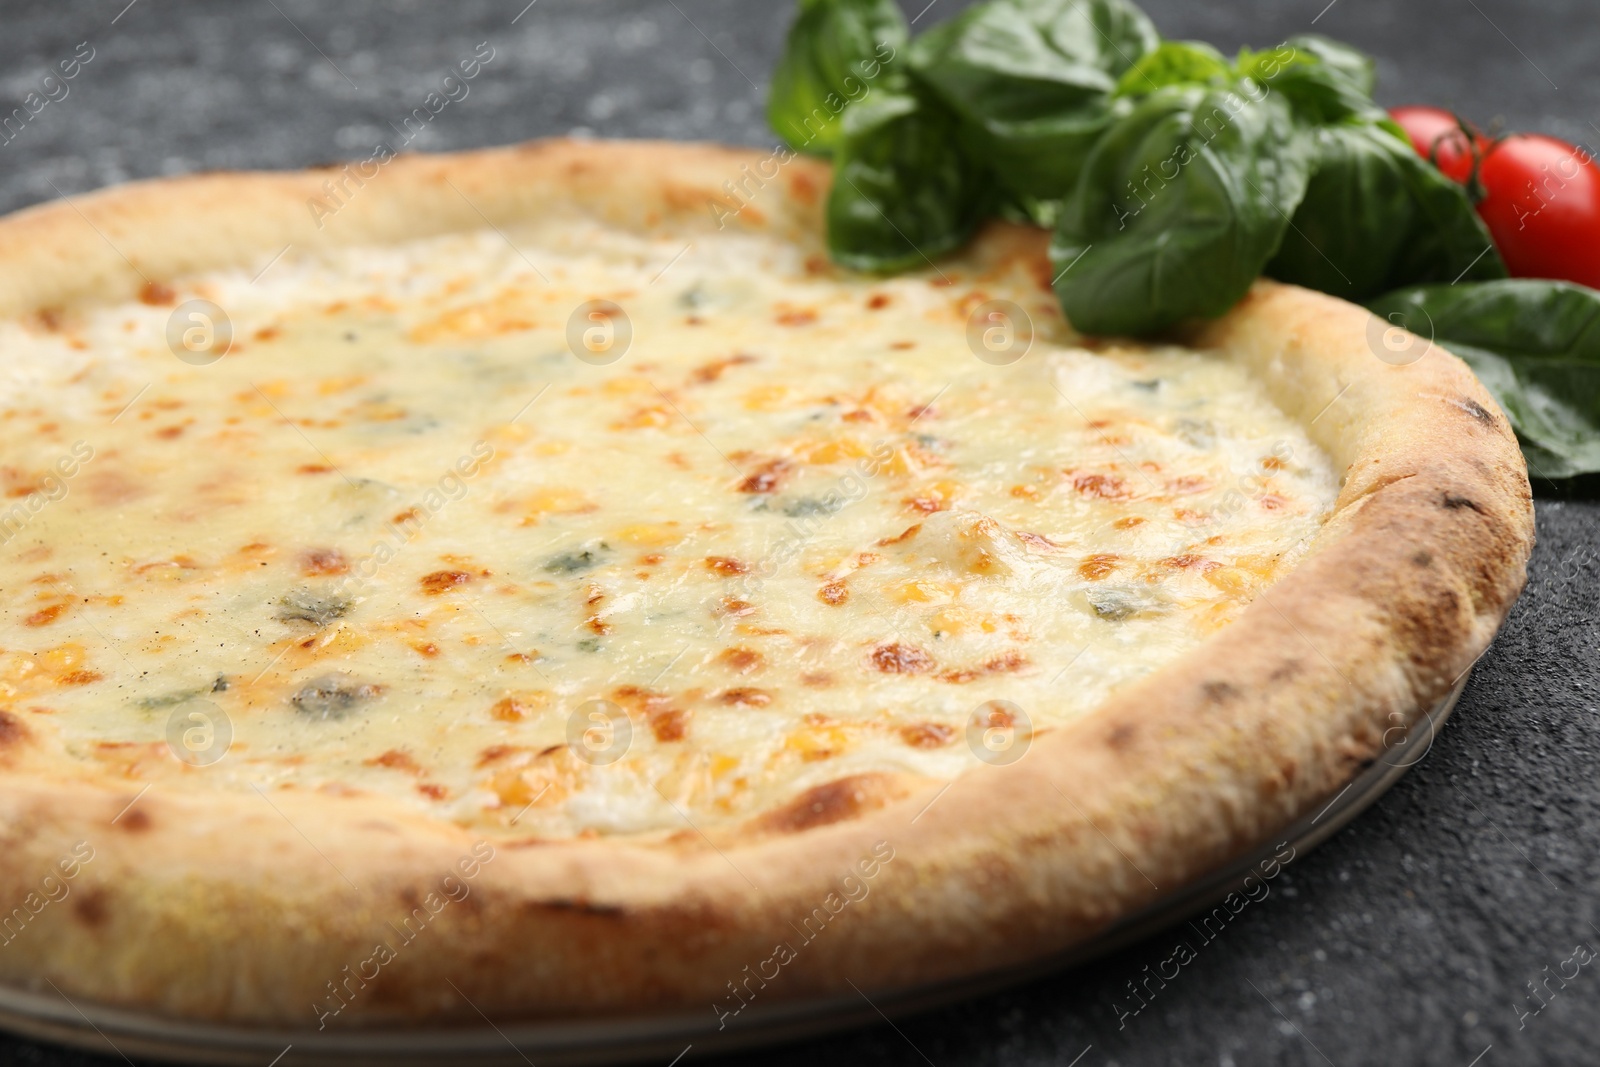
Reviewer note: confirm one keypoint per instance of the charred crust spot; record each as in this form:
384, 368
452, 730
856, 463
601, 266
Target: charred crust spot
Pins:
1219, 692
1476, 410
89, 906
136, 821
834, 593
1285, 670
1451, 502
583, 907
1121, 736
745, 697
1422, 558
828, 803
898, 658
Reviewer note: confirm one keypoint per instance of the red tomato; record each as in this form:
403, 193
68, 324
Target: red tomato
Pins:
1437, 136
1542, 204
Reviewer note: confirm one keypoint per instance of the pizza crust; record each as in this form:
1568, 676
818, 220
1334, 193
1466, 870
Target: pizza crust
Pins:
216, 908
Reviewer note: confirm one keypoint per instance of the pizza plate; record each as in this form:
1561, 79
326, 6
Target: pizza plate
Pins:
664, 1038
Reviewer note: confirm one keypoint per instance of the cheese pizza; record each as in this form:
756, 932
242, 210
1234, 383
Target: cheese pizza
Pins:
517, 583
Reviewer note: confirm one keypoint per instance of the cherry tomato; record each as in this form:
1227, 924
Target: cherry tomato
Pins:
1437, 136
1542, 204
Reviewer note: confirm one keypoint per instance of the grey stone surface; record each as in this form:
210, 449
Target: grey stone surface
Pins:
1409, 938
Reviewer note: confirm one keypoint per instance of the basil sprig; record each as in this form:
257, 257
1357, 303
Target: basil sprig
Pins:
1172, 177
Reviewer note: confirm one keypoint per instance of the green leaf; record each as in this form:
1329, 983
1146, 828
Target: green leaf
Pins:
901, 196
1536, 346
1377, 216
1177, 209
837, 52
1323, 81
1031, 81
1352, 64
1175, 63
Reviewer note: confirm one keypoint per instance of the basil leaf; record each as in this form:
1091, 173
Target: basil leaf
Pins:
1377, 216
1351, 64
1031, 81
1175, 63
835, 51
900, 195
1535, 344
1320, 91
1177, 209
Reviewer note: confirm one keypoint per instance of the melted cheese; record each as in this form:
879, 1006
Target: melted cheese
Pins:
402, 540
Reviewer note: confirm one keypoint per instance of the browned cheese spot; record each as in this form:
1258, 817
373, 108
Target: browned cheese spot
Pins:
441, 581
157, 294
766, 478
726, 565
669, 724
927, 734
904, 535
321, 561
396, 760
1097, 567
834, 593
742, 660
897, 658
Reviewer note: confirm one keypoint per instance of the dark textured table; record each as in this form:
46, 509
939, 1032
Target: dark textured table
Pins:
1410, 938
